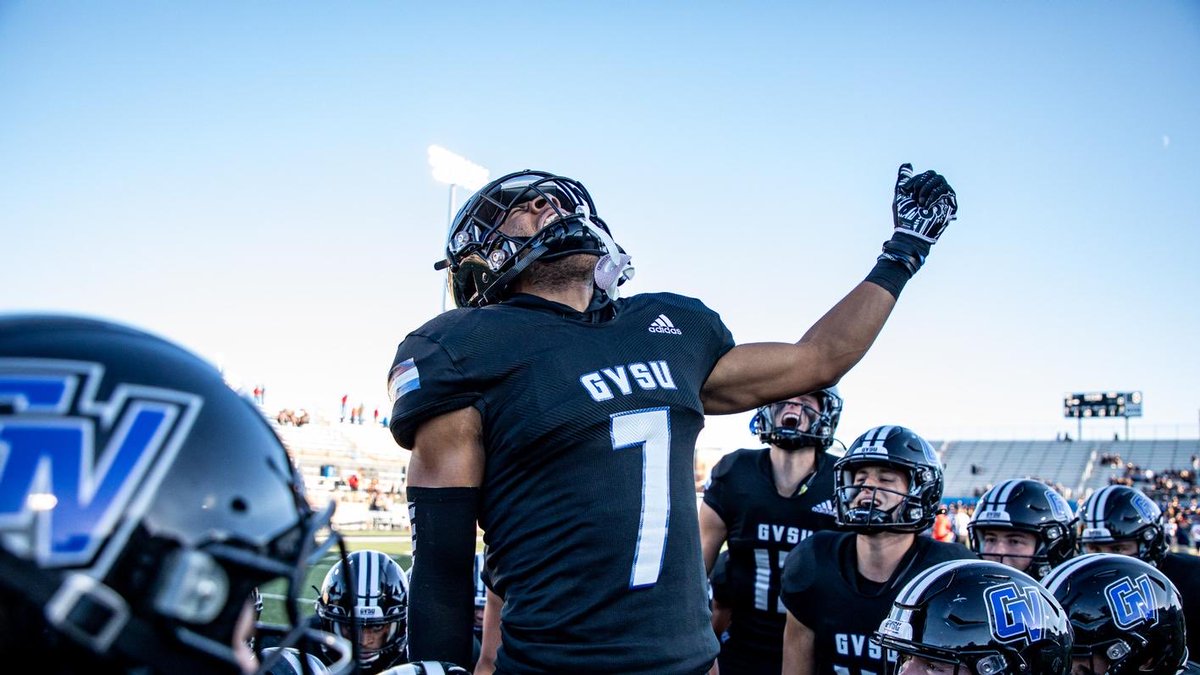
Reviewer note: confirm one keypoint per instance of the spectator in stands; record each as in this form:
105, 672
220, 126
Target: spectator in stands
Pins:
962, 518
943, 529
1025, 524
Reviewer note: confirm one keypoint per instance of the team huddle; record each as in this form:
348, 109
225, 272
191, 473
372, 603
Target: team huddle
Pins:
865, 590
144, 504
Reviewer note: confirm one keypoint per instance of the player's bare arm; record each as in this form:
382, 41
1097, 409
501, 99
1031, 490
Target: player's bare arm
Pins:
798, 645
752, 375
713, 532
448, 451
444, 475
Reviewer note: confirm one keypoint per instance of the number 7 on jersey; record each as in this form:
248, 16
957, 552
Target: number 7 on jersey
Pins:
649, 429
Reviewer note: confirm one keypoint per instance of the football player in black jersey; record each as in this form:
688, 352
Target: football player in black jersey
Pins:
977, 617
838, 586
143, 503
1025, 524
720, 596
1127, 616
763, 502
1122, 519
563, 421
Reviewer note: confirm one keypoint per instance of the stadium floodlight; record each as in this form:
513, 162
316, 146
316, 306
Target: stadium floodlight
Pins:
456, 171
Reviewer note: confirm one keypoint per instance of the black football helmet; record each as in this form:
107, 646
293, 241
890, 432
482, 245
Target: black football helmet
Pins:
983, 617
1123, 610
903, 450
483, 261
1029, 506
786, 433
141, 503
1120, 513
373, 594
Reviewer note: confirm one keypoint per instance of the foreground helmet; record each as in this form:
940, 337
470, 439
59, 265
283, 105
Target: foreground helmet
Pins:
1120, 513
484, 262
1123, 610
428, 668
1027, 506
291, 662
903, 450
141, 503
983, 617
374, 593
785, 433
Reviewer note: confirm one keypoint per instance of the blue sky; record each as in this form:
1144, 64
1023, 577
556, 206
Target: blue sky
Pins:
250, 179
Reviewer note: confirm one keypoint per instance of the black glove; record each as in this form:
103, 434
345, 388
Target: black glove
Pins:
924, 204
922, 208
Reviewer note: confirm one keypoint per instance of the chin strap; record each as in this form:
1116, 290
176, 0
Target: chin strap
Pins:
613, 268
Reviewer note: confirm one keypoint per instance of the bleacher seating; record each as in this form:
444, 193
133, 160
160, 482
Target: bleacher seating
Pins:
1076, 466
1156, 455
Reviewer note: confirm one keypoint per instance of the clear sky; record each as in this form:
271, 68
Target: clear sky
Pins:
250, 179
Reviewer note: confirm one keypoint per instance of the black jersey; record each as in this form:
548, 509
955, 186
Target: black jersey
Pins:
823, 590
762, 528
588, 501
1184, 571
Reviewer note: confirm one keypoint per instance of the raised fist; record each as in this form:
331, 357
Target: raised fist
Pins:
924, 204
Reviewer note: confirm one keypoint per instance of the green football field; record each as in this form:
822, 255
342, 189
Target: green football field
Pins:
394, 543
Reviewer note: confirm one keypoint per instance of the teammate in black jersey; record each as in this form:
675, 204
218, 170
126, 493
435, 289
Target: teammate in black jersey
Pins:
1127, 616
838, 586
1122, 519
763, 502
1025, 524
977, 617
564, 421
720, 596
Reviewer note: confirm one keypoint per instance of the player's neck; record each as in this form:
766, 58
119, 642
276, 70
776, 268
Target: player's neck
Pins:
568, 281
879, 554
791, 468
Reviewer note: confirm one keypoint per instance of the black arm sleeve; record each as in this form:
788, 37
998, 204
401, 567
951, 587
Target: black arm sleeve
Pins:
441, 607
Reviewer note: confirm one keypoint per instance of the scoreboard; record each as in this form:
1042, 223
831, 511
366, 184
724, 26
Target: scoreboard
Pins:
1103, 404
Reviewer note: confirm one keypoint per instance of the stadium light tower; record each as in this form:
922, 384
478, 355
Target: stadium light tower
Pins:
454, 170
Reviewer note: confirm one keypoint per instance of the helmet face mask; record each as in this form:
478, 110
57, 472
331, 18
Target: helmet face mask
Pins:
785, 425
1124, 612
1030, 506
898, 449
978, 617
1119, 513
165, 499
365, 597
484, 257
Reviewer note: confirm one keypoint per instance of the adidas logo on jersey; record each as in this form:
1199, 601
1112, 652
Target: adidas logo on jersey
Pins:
825, 507
663, 325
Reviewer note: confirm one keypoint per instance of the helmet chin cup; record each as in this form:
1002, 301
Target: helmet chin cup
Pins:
611, 271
